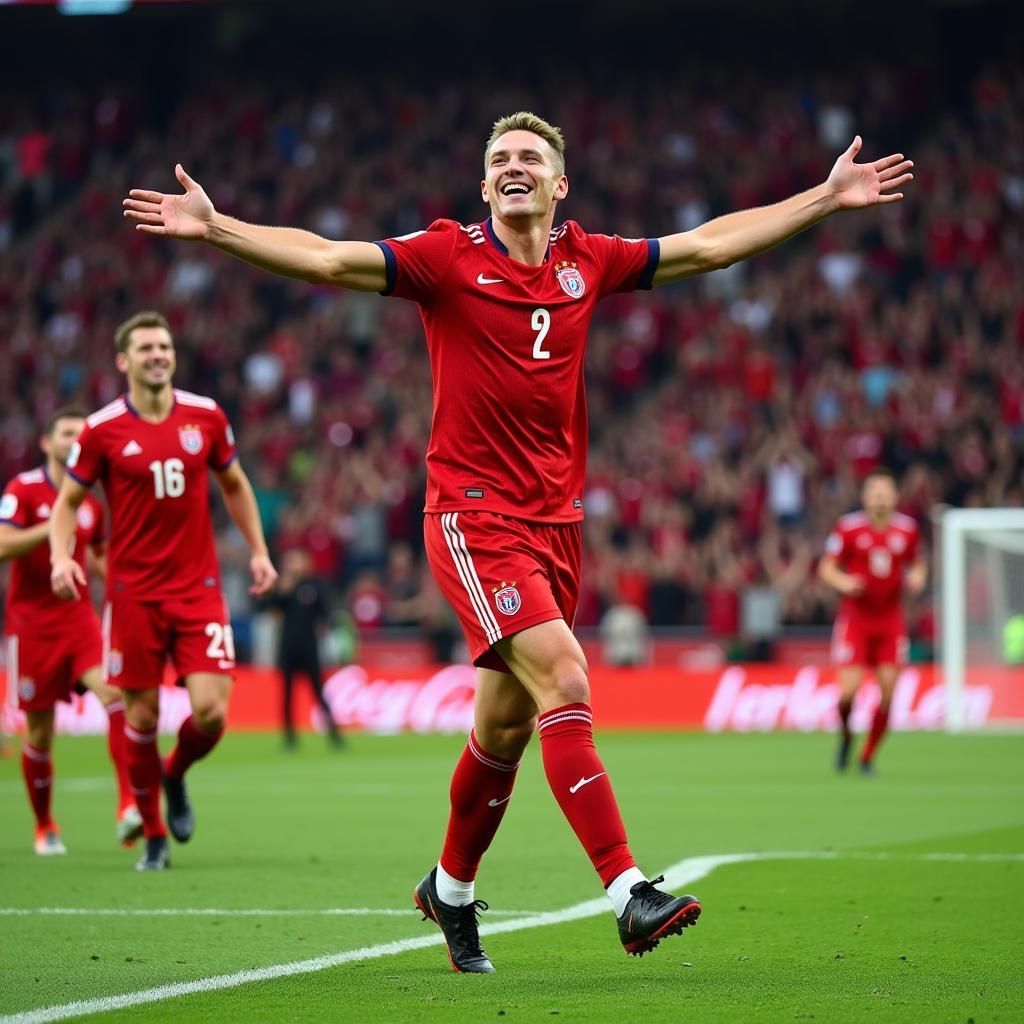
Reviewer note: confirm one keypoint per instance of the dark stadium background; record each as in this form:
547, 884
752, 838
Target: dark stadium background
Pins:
891, 337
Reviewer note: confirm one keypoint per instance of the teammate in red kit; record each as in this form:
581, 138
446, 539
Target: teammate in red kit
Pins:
151, 449
53, 650
871, 558
506, 304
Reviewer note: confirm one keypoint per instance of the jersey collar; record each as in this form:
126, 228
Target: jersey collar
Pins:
135, 412
502, 248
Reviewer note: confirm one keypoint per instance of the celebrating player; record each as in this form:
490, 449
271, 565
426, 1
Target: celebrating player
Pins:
506, 305
51, 649
151, 449
871, 557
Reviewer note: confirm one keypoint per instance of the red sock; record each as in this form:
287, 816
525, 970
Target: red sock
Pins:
37, 769
192, 745
581, 787
480, 791
143, 762
878, 726
116, 748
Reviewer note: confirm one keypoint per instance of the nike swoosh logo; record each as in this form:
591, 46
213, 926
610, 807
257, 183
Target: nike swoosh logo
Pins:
480, 279
579, 785
498, 803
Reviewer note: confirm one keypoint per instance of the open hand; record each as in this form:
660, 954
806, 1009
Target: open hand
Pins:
264, 575
65, 579
181, 216
854, 186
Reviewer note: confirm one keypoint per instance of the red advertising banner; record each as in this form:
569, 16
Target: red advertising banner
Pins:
738, 698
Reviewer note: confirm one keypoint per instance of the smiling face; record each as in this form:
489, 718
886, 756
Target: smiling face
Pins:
525, 177
148, 359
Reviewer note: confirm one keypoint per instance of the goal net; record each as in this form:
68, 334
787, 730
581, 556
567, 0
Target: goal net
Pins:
980, 577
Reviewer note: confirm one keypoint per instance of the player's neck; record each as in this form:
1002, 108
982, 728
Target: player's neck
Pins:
153, 405
880, 522
526, 240
54, 471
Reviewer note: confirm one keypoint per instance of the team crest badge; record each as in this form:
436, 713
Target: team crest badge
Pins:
191, 439
570, 279
507, 598
26, 688
86, 517
897, 544
115, 663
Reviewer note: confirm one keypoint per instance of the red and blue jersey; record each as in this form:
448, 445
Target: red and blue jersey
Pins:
506, 344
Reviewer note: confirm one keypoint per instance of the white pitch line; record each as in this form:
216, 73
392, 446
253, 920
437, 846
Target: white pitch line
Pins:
690, 870
682, 873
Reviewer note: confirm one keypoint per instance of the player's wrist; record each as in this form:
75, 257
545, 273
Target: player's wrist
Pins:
824, 197
215, 229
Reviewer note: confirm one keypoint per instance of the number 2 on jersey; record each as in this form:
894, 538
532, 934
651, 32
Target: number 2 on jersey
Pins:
168, 478
541, 323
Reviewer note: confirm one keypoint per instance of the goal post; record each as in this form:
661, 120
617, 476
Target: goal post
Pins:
980, 584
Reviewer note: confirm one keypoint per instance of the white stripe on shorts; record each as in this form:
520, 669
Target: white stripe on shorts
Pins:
467, 573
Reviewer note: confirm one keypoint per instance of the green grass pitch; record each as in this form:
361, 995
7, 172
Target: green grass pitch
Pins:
910, 908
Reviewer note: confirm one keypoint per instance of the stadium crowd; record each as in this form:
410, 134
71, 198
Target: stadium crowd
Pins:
732, 416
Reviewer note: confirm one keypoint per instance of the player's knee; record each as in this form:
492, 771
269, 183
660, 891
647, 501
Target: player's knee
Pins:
570, 686
210, 716
141, 717
39, 735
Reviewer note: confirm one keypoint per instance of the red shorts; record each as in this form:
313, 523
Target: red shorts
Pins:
863, 642
502, 575
43, 669
139, 637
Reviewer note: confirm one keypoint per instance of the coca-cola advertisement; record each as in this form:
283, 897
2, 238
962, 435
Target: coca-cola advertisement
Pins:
736, 698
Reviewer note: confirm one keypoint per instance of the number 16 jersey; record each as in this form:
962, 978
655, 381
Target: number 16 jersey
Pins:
155, 476
506, 343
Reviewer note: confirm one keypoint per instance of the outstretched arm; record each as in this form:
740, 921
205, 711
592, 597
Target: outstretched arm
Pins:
737, 236
287, 251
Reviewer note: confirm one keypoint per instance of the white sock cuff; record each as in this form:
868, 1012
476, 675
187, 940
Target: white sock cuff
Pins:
618, 890
453, 891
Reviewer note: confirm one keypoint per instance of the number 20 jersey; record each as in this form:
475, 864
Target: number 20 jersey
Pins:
506, 344
156, 480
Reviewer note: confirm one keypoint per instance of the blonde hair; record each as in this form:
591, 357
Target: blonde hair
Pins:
526, 121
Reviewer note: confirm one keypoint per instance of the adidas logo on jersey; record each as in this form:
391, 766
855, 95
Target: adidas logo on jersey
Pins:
132, 448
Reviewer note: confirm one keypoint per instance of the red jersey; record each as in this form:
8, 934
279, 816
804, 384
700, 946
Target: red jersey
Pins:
506, 344
31, 604
878, 556
157, 486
